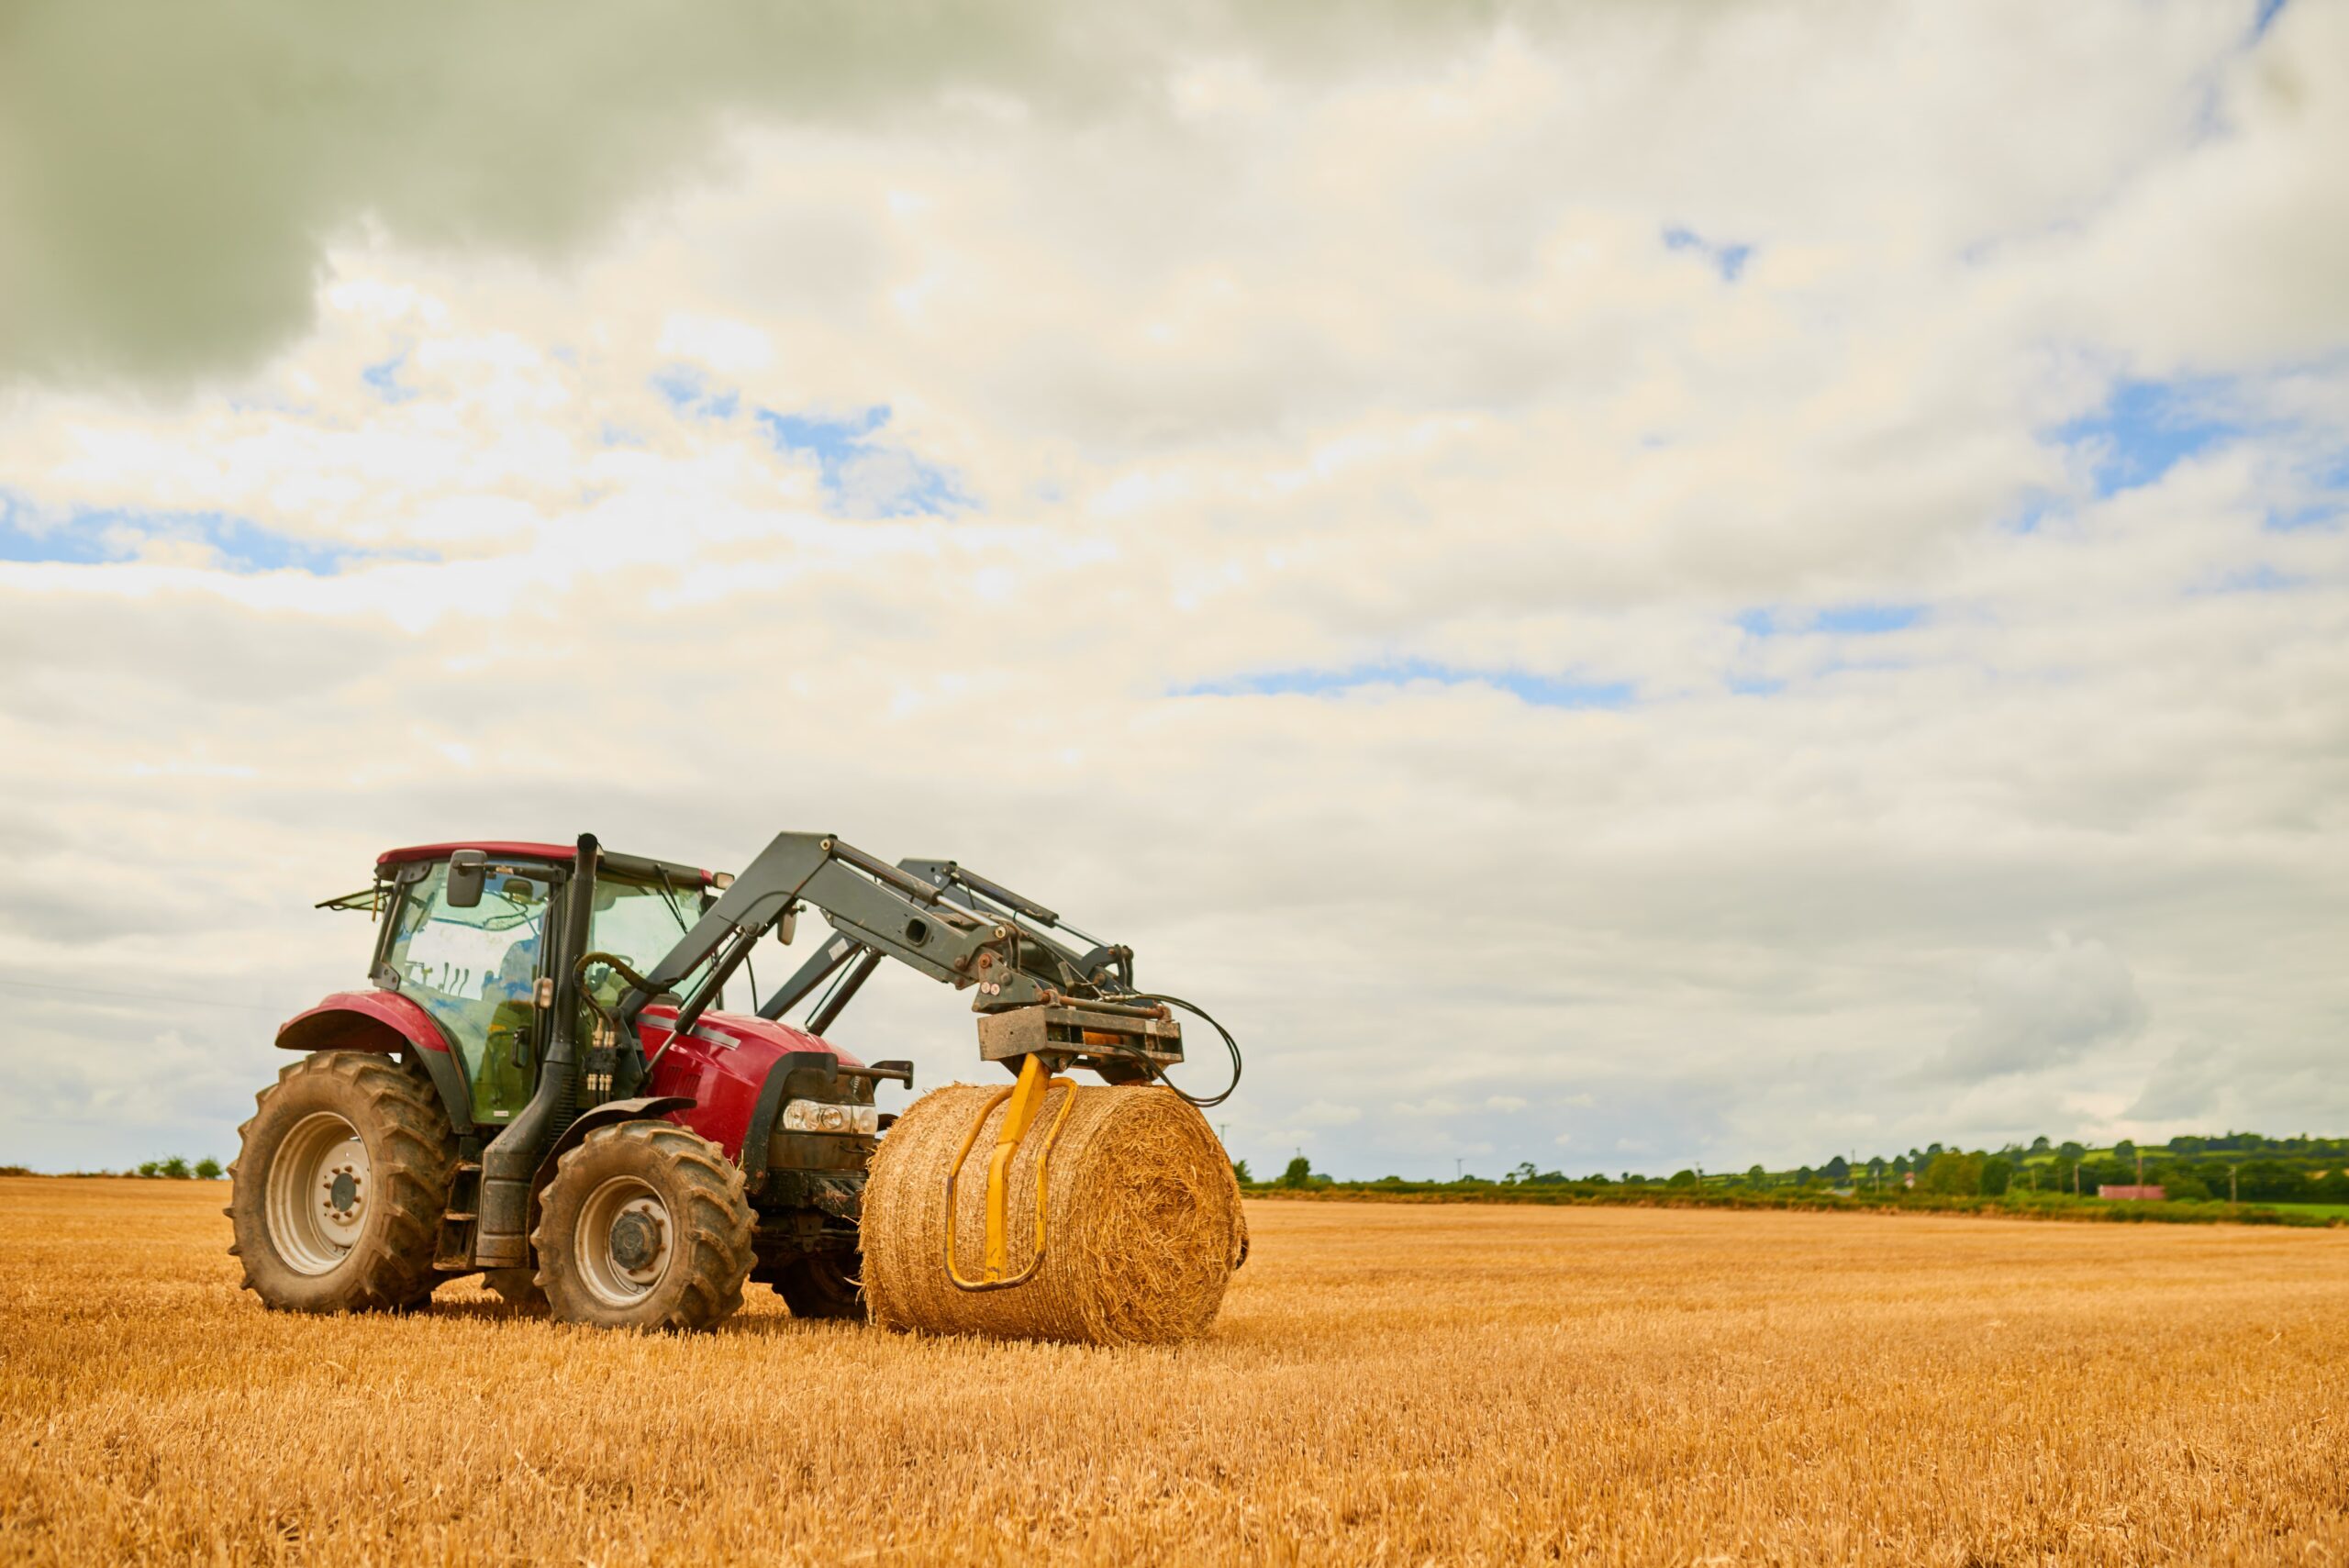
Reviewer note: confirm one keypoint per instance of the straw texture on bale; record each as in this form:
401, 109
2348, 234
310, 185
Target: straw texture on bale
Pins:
1145, 1226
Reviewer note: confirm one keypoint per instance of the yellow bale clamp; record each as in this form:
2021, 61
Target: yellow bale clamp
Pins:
1027, 1097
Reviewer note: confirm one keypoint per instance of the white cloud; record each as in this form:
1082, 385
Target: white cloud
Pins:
728, 347
1373, 397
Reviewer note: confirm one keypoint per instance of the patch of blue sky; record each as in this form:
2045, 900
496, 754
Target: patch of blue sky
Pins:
2260, 579
1837, 621
2147, 428
24, 538
2324, 504
2033, 508
832, 437
1868, 620
383, 377
113, 537
1727, 259
1538, 691
689, 392
863, 476
242, 547
2330, 513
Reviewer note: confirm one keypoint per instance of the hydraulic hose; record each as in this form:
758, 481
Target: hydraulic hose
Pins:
1229, 1044
614, 1025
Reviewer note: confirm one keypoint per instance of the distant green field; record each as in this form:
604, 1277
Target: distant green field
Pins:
2315, 1210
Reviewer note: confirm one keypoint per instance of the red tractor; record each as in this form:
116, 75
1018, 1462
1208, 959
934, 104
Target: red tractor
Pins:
542, 1085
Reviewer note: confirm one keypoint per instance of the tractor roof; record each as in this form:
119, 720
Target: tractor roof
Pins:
626, 866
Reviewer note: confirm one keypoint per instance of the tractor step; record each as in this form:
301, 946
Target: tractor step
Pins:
452, 1248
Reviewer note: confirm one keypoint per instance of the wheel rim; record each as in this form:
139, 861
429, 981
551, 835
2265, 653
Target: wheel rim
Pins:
319, 1192
622, 1241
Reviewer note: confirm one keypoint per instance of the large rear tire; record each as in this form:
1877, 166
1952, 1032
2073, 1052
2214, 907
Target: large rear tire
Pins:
824, 1285
645, 1226
340, 1185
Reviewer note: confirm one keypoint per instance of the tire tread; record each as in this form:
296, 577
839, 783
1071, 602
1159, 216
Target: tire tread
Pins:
713, 1224
412, 1183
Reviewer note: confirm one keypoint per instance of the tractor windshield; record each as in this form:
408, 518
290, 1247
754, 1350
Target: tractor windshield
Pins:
639, 921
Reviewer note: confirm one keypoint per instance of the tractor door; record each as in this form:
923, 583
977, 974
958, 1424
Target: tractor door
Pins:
474, 970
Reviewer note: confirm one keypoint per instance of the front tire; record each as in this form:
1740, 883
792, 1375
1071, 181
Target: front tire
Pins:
339, 1184
645, 1226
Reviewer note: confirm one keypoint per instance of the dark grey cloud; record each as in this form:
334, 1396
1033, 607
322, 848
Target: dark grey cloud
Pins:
2042, 1009
170, 175
2188, 1082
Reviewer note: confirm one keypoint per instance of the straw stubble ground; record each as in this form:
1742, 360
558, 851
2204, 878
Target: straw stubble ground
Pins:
1387, 1384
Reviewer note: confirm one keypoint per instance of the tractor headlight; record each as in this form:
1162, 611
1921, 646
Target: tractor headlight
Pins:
815, 1116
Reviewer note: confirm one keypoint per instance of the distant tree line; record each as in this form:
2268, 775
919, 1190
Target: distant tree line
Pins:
2240, 1166
2246, 1167
176, 1168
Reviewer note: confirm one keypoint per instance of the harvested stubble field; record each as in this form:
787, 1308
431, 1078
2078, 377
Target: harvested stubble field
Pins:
1387, 1384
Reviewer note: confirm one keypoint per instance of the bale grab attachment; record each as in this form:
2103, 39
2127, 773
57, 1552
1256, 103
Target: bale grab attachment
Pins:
1045, 1003
1027, 1097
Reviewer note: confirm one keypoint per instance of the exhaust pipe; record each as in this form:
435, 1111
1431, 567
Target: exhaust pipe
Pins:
511, 1160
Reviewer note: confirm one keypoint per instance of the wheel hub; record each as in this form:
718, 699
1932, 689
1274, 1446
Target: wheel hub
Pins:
317, 1194
624, 1241
636, 1240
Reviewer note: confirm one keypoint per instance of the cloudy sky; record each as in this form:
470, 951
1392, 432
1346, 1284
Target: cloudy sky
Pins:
1612, 584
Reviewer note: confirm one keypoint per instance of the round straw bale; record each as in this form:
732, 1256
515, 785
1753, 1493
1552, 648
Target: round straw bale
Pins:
1143, 1225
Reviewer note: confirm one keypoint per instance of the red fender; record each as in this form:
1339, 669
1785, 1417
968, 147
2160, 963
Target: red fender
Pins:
362, 1020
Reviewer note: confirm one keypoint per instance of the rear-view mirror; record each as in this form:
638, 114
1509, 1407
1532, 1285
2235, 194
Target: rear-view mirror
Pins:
467, 872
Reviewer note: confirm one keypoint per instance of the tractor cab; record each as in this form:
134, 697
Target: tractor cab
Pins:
466, 939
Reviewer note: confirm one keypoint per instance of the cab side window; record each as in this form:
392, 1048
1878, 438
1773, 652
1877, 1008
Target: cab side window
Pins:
474, 970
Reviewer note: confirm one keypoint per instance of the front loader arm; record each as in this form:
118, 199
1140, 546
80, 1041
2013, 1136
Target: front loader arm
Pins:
871, 902
1037, 994
1103, 965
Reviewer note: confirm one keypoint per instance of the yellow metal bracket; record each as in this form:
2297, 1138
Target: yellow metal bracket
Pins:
1027, 1097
